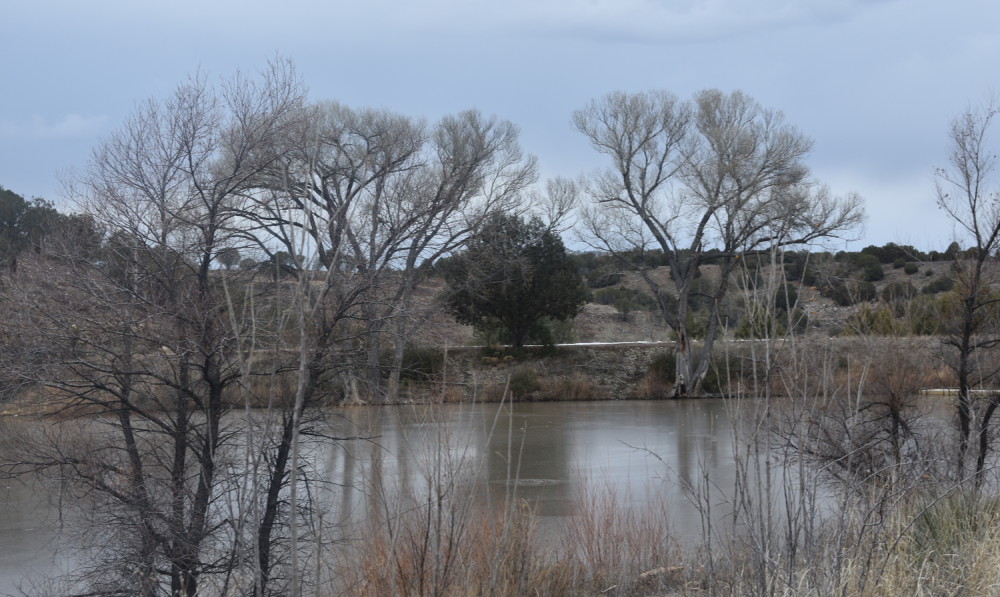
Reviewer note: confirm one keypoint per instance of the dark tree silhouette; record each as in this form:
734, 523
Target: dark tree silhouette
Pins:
514, 273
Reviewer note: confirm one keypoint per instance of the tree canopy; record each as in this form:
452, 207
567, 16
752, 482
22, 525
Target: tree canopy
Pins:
514, 273
721, 171
22, 223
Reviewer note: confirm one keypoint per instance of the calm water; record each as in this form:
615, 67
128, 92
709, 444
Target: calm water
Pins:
555, 450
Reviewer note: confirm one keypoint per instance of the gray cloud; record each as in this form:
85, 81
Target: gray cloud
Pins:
69, 127
874, 83
679, 22
649, 21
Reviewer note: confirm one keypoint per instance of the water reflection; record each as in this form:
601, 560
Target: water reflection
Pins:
547, 452
552, 450
29, 525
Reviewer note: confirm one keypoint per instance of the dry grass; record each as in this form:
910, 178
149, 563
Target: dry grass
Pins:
613, 544
549, 389
610, 547
928, 547
40, 401
476, 552
577, 389
654, 387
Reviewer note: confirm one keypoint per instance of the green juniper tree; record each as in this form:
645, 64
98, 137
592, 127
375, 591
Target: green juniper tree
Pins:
513, 274
22, 223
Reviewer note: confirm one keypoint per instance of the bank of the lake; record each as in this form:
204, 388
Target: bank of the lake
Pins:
594, 371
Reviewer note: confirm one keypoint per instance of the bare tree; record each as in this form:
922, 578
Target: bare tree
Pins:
722, 172
374, 195
966, 190
363, 198
139, 334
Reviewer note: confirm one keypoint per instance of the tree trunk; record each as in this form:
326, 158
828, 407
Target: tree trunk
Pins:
984, 441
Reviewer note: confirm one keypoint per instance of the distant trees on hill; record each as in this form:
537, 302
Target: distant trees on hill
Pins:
25, 225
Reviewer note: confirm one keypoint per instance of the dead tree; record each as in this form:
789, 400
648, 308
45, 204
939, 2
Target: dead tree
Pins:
139, 335
373, 196
967, 192
722, 172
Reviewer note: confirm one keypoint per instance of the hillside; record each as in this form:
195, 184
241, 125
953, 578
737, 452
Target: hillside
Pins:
603, 323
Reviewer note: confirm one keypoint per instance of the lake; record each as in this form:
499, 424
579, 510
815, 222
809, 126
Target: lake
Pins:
548, 452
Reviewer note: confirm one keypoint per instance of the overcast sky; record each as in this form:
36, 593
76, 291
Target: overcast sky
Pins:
873, 83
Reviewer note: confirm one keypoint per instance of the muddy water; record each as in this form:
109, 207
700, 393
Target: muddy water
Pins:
546, 452
29, 531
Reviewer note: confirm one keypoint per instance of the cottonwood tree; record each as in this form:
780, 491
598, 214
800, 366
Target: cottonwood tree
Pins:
721, 171
140, 335
967, 191
364, 196
372, 195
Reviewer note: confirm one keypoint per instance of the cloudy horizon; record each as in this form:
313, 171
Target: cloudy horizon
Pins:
873, 83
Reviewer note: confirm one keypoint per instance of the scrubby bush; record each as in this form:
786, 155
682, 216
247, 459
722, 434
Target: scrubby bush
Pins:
671, 303
524, 381
873, 322
281, 264
624, 308
799, 321
897, 295
602, 277
544, 332
841, 294
664, 366
786, 297
951, 253
697, 324
758, 323
950, 307
752, 274
848, 294
797, 270
610, 296
898, 263
921, 313
891, 253
420, 363
865, 291
563, 331
898, 291
871, 268
939, 284
910, 268
722, 366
